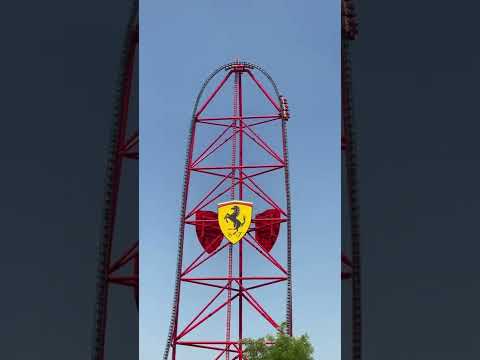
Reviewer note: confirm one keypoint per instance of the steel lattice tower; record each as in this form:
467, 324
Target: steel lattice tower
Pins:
124, 147
236, 178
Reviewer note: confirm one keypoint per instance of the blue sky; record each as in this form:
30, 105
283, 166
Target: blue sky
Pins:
298, 43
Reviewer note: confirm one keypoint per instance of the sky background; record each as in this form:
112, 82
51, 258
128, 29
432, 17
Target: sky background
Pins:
181, 44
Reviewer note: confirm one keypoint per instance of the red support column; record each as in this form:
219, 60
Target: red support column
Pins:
240, 245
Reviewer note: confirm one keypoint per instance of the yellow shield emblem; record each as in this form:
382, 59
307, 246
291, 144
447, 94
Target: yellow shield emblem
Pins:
234, 218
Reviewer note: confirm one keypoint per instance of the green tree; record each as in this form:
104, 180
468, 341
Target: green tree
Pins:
279, 347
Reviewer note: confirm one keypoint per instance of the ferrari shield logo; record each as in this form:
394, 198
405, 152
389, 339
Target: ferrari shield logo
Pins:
234, 218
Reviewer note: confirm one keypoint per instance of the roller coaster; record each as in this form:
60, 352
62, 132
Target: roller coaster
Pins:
267, 224
237, 167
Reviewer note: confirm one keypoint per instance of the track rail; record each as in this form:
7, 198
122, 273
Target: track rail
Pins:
349, 147
120, 148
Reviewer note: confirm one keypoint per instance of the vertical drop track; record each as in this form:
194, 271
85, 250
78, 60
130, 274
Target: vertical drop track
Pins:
349, 150
124, 147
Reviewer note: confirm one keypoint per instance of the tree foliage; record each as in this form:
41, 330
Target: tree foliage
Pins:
279, 347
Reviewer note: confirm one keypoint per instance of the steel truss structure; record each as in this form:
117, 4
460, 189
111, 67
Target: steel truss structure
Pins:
123, 147
351, 263
235, 178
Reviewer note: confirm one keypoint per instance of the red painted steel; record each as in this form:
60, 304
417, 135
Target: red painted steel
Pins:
234, 179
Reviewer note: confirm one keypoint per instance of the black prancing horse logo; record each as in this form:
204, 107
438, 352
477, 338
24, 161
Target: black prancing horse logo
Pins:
233, 217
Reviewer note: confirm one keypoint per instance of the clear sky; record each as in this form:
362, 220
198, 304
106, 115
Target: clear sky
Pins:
298, 43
